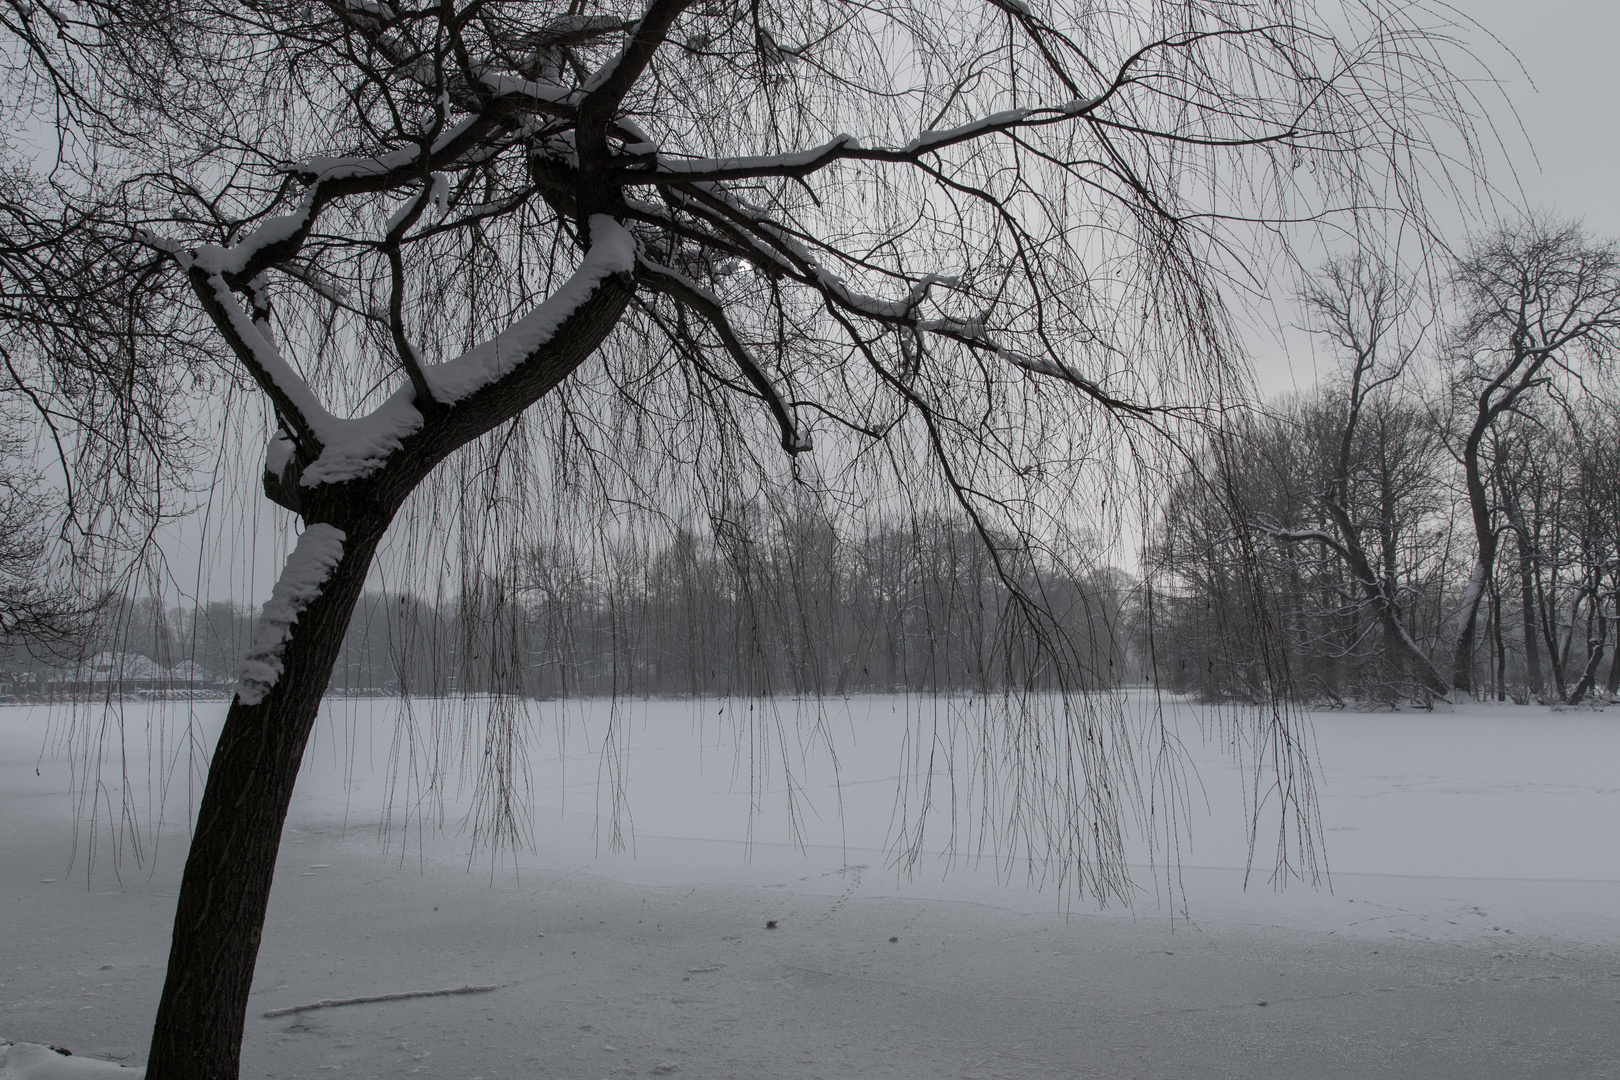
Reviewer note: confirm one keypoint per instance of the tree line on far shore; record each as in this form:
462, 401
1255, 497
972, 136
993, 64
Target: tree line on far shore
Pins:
760, 605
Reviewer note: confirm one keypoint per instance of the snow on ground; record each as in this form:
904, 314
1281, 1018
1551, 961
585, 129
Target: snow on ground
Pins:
30, 1061
1472, 928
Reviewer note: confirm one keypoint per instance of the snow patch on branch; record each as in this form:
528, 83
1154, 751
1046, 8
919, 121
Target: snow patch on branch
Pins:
351, 449
929, 139
371, 7
219, 260
605, 72
313, 558
538, 89
161, 243
406, 209
278, 452
265, 353
348, 167
437, 193
356, 448
799, 159
612, 251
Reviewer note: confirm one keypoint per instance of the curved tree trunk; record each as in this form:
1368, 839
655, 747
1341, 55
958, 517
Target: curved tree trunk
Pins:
1403, 650
1597, 631
226, 885
1462, 657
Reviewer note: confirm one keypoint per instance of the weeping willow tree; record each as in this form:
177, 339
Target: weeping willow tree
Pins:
496, 263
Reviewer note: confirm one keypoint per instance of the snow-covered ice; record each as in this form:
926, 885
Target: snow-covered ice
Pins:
1472, 928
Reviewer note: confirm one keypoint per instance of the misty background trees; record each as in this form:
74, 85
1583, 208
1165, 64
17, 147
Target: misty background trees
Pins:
1437, 515
762, 607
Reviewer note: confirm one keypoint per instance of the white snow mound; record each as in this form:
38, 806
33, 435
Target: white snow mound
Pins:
31, 1061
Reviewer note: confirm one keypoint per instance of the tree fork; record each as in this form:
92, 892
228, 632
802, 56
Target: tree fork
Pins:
225, 889
226, 885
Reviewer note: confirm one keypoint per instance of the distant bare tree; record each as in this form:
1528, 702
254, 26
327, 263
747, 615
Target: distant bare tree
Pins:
1537, 299
1246, 537
1359, 306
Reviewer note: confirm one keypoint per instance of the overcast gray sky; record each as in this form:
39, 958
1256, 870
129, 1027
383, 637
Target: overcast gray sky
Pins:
1557, 119
1567, 98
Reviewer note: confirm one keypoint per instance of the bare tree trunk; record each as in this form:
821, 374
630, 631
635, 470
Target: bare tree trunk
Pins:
1527, 601
226, 885
1612, 685
1462, 660
1569, 641
1597, 630
1462, 657
1499, 674
1547, 611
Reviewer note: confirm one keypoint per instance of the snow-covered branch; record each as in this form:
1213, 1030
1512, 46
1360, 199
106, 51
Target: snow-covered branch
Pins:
802, 163
294, 401
612, 252
1293, 536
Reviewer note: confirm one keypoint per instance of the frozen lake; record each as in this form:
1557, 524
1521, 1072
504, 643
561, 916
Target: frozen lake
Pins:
1471, 928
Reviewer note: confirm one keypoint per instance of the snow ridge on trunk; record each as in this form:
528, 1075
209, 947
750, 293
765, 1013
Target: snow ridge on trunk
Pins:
312, 561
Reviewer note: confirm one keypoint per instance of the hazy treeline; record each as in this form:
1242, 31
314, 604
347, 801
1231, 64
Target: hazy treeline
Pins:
761, 605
